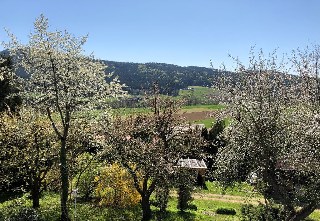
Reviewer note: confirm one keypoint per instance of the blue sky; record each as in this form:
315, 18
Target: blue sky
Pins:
182, 32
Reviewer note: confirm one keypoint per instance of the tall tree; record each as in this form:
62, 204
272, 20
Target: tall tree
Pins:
63, 80
273, 131
149, 145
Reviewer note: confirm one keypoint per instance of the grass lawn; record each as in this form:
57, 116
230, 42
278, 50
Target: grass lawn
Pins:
199, 108
206, 210
50, 207
239, 189
207, 122
198, 90
206, 207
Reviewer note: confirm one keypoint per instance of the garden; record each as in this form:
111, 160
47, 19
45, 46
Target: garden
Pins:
66, 155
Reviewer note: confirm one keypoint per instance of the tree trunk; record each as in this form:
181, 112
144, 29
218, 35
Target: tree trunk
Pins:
146, 208
302, 216
35, 193
303, 213
64, 181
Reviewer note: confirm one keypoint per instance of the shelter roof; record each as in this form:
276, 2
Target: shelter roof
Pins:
192, 163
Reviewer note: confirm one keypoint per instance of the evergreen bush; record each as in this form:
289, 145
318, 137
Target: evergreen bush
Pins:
226, 211
262, 212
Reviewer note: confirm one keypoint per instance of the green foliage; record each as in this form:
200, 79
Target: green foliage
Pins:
9, 85
262, 212
217, 129
184, 109
212, 106
185, 183
196, 90
28, 151
196, 95
49, 210
226, 211
53, 179
215, 142
23, 214
88, 169
207, 122
141, 76
237, 189
161, 197
127, 111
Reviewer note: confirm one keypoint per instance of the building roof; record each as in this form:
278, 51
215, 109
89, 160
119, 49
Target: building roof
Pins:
192, 163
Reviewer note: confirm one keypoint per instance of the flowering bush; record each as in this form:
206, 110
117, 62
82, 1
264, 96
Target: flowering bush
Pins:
116, 187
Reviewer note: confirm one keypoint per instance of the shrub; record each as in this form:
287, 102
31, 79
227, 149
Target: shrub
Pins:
115, 187
85, 179
161, 198
192, 207
186, 181
86, 185
52, 180
262, 212
23, 214
161, 193
226, 211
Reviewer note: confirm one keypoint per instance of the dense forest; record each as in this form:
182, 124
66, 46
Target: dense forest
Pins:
139, 76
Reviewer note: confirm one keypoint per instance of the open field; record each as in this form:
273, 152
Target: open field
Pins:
198, 91
195, 116
185, 109
200, 95
201, 114
204, 117
199, 108
194, 113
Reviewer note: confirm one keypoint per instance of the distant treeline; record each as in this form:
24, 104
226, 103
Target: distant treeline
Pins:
139, 77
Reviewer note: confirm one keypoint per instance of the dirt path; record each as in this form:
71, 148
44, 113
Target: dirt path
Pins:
226, 198
223, 198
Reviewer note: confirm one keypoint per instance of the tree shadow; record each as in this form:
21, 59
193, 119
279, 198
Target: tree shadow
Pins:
173, 216
9, 196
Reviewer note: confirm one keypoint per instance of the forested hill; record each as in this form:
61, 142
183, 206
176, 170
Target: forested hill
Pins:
138, 76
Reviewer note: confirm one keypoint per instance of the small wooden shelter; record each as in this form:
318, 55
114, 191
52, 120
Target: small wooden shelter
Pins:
194, 164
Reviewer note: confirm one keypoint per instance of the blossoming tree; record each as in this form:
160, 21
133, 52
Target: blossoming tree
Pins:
274, 130
149, 145
62, 81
